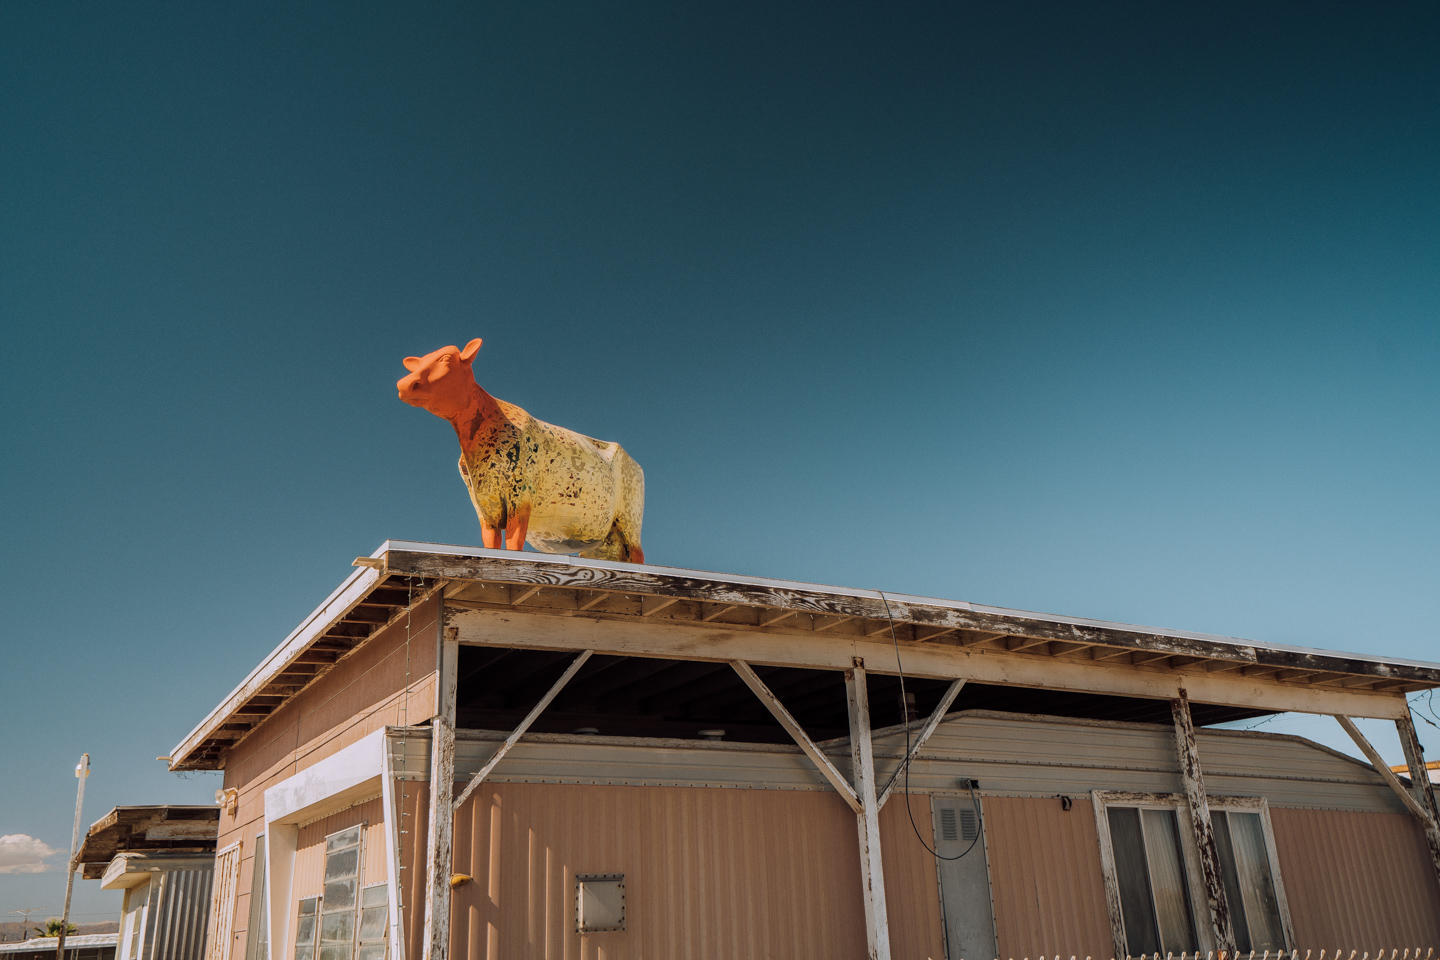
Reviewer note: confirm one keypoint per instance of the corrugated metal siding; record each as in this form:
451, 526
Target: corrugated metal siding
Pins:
1357, 881
179, 915
912, 893
1045, 878
708, 873
309, 880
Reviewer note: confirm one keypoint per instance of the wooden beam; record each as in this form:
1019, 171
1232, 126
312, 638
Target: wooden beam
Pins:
867, 819
600, 597
774, 617
1382, 768
649, 606
439, 848
936, 716
930, 633
792, 727
719, 612
690, 640
520, 594
830, 622
519, 731
1202, 831
1420, 786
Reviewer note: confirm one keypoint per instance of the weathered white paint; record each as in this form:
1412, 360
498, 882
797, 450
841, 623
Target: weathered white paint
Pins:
698, 641
439, 849
1382, 768
867, 820
392, 845
1202, 830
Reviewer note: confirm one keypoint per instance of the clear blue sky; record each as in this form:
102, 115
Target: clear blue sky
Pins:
1125, 312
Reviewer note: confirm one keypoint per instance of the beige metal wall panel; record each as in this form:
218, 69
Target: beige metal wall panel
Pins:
1045, 878
912, 891
1033, 756
708, 873
309, 880
413, 804
1356, 881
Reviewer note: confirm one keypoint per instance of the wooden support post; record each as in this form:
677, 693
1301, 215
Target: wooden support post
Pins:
1421, 812
1420, 786
519, 731
919, 741
872, 875
797, 732
1200, 826
439, 852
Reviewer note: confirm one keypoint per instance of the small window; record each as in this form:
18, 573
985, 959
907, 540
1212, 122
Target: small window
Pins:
599, 902
1249, 882
1153, 874
374, 922
257, 936
135, 923
305, 928
338, 903
1150, 872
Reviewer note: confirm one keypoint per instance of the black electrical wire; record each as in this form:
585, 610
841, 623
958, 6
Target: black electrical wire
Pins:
905, 761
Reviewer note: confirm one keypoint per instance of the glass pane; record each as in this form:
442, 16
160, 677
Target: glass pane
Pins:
304, 953
336, 951
1230, 878
374, 951
308, 905
342, 864
372, 923
1133, 877
338, 926
1167, 881
339, 896
305, 931
1252, 862
345, 838
374, 896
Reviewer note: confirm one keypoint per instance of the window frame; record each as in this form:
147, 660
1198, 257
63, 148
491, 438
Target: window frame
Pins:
1102, 800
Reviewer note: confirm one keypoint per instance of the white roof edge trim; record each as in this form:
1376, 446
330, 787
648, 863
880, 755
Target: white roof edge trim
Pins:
224, 707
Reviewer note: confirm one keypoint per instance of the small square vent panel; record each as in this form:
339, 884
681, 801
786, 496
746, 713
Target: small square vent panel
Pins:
599, 902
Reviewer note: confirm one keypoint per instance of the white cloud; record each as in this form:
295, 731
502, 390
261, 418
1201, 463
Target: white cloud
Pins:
22, 854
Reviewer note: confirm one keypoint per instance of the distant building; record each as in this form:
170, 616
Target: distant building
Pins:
482, 754
90, 946
163, 858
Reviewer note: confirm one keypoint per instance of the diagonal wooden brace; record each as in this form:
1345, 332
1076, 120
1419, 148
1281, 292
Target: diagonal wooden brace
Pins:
792, 727
919, 741
519, 731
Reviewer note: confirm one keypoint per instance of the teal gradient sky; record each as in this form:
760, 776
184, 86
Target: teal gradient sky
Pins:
1118, 311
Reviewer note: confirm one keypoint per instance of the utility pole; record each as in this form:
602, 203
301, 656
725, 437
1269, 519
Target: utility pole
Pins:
25, 921
82, 771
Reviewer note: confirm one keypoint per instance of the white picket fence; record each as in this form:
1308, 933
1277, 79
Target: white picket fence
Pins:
1395, 954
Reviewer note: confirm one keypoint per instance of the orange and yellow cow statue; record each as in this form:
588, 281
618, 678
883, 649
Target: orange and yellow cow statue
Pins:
529, 480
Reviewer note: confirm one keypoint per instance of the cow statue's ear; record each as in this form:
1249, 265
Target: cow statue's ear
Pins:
471, 348
413, 363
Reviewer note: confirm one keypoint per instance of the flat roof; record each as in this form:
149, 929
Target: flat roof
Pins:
401, 573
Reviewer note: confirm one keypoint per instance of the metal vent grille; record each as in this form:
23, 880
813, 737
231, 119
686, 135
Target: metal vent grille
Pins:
968, 825
948, 829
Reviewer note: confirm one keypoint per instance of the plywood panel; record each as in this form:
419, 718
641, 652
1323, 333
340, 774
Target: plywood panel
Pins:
709, 873
1045, 876
1356, 881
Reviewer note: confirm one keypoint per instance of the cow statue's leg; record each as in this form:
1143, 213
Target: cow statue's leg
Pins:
490, 537
515, 530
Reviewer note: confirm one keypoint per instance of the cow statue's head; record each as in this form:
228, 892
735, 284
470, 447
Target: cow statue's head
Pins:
441, 382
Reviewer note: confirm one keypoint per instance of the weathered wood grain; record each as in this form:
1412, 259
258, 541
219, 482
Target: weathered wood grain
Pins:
1202, 830
862, 760
788, 599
